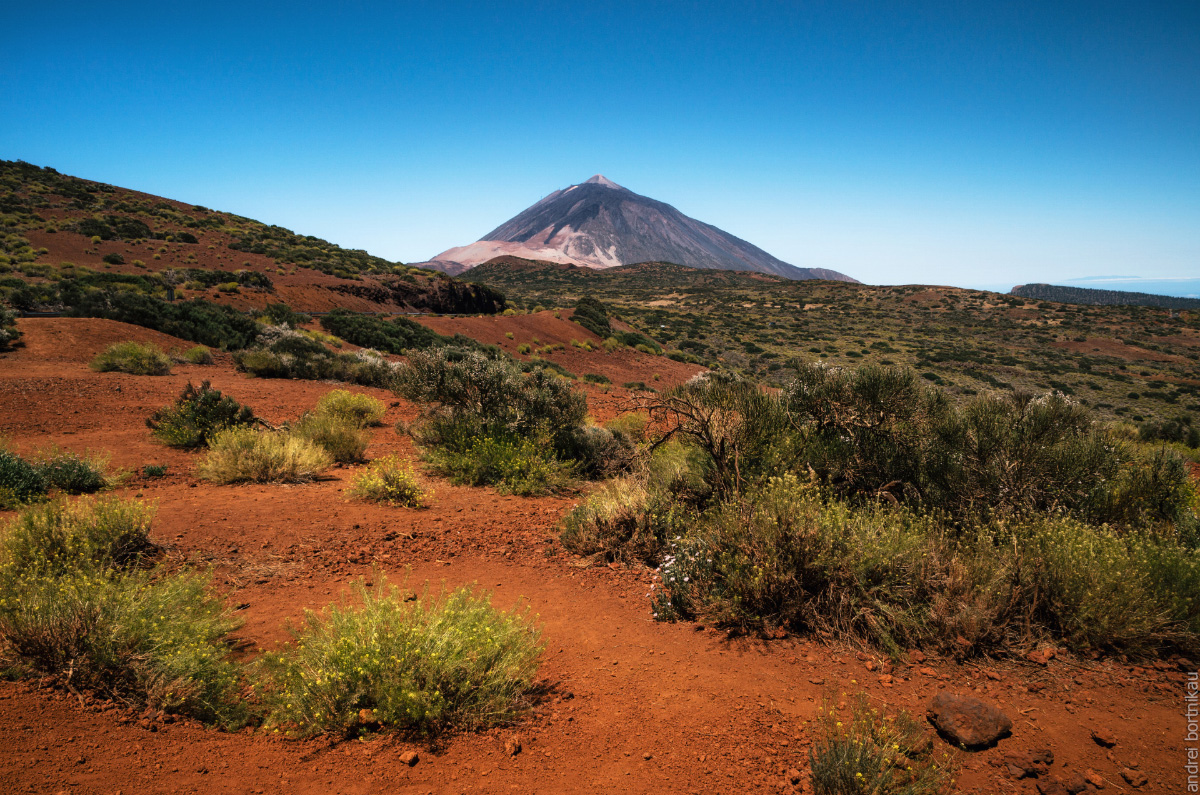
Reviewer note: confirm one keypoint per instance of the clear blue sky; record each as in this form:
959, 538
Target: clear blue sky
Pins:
935, 142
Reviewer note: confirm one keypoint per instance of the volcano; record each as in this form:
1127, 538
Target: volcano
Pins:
600, 224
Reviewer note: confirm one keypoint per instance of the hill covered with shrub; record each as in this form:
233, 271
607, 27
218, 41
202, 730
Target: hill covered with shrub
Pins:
56, 228
1086, 295
1135, 363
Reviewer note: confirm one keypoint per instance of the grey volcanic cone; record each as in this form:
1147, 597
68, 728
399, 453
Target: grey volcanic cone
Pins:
602, 225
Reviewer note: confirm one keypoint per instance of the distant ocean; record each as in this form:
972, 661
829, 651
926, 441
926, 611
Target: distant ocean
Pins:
1181, 288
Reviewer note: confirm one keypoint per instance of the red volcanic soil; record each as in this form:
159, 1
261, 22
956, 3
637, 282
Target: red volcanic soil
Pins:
629, 705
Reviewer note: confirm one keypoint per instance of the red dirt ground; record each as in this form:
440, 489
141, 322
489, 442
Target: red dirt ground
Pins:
1110, 347
632, 705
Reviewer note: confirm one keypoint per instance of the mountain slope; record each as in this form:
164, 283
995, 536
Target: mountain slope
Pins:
600, 224
58, 229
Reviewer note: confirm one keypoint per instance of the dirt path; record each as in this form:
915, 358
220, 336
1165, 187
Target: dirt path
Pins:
630, 705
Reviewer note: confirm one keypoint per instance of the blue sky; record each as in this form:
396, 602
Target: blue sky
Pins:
930, 142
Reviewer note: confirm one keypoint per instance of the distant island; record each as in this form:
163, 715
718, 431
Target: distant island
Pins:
1084, 295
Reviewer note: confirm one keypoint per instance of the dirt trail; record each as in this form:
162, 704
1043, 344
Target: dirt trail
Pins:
630, 705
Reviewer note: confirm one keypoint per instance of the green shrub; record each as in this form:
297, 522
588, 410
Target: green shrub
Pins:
84, 535
197, 355
391, 480
623, 520
132, 357
682, 356
538, 363
1133, 593
284, 315
341, 438
71, 474
745, 432
135, 636
524, 349
784, 554
154, 470
514, 465
637, 340
391, 336
633, 424
262, 364
596, 378
114, 259
876, 431
20, 481
775, 557
242, 454
432, 664
196, 416
860, 751
492, 393
596, 452
73, 604
285, 353
322, 337
593, 316
196, 321
8, 328
361, 410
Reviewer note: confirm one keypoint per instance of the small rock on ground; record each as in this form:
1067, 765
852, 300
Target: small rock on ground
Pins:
966, 721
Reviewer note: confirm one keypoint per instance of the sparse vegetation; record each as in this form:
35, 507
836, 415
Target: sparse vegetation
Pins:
242, 454
23, 481
431, 664
359, 409
343, 439
70, 473
132, 357
485, 421
197, 415
860, 750
593, 316
74, 605
390, 479
8, 328
286, 353
197, 355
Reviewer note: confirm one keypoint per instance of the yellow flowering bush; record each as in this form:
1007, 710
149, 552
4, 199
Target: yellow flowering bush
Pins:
391, 480
242, 454
427, 664
860, 751
73, 604
360, 409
